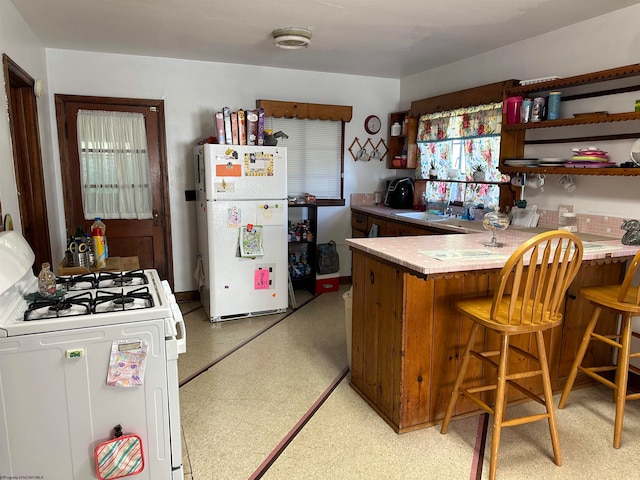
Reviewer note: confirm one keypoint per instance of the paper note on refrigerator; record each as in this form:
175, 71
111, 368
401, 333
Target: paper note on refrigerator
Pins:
251, 241
261, 279
258, 164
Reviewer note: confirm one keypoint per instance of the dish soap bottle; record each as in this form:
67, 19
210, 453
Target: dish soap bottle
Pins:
46, 281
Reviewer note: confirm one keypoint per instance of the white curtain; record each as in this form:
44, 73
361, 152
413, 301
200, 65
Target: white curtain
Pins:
114, 165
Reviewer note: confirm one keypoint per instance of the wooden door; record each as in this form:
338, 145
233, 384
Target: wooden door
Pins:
149, 240
27, 160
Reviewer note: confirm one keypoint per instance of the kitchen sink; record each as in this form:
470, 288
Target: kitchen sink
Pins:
424, 216
461, 223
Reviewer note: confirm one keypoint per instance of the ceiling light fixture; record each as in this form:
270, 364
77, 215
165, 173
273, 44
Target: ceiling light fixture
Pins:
291, 38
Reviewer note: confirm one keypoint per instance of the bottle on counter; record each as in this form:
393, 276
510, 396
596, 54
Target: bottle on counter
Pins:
46, 281
98, 223
99, 243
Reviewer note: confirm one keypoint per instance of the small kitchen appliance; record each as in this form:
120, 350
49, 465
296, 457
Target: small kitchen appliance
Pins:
58, 354
400, 193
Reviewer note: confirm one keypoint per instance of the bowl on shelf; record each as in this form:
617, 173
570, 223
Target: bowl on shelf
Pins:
453, 173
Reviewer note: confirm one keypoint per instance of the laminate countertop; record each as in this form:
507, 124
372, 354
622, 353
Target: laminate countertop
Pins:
438, 254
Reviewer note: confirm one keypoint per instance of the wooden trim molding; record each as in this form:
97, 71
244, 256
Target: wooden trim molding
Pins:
491, 93
312, 111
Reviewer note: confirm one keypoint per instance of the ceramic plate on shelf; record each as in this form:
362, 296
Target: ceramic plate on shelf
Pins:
519, 162
8, 222
548, 160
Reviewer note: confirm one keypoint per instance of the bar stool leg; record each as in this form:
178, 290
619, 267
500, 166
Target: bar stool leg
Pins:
498, 415
622, 376
548, 399
461, 374
582, 349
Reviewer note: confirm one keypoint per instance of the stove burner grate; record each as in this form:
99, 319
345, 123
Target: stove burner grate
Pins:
119, 301
120, 279
84, 281
56, 307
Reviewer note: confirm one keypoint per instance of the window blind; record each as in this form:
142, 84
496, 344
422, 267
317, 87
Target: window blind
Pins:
313, 155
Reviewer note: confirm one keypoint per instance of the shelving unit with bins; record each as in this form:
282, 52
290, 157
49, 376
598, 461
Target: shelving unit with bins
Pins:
298, 213
609, 82
405, 142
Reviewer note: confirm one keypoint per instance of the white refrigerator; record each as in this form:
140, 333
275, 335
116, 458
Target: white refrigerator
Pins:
241, 194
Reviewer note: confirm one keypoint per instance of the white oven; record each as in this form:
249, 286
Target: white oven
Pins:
57, 354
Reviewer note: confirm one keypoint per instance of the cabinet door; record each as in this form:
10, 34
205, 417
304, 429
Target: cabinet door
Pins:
376, 335
577, 314
381, 224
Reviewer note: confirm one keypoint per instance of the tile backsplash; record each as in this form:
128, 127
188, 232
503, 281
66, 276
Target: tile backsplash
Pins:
605, 225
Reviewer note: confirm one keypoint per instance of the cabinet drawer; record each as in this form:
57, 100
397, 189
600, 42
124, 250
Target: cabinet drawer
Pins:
359, 222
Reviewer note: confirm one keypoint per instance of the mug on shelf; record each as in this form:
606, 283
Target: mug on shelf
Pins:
517, 181
567, 183
535, 181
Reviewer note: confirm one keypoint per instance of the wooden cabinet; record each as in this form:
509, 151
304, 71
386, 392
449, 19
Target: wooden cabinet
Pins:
405, 142
303, 218
408, 338
583, 89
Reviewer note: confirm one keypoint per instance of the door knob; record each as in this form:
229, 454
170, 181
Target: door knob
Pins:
156, 215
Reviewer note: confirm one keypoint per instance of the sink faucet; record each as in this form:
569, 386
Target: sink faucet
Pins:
448, 212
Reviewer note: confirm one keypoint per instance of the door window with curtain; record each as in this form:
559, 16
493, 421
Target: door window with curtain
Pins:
114, 165
465, 139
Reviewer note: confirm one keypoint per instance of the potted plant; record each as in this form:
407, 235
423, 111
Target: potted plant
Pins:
478, 173
433, 173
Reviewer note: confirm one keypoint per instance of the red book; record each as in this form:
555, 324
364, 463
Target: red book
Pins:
234, 128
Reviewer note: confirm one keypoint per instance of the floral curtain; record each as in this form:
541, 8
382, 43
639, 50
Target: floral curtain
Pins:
463, 139
114, 165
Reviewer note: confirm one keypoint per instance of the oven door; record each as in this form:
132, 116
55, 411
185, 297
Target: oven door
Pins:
57, 406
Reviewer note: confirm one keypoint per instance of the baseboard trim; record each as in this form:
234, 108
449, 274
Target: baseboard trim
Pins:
191, 296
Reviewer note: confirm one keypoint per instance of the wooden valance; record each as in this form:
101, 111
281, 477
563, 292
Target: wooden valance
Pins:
470, 97
312, 111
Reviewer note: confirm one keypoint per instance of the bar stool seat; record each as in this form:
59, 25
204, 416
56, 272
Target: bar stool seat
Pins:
527, 300
623, 299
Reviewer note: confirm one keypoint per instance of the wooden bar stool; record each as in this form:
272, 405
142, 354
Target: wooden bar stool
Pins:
525, 301
625, 300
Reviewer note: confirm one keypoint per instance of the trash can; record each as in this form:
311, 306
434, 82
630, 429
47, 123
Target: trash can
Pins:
348, 307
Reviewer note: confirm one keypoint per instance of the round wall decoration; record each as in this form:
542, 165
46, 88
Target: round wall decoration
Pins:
372, 124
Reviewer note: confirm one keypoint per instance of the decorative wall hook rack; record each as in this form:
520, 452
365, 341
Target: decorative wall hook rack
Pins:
368, 151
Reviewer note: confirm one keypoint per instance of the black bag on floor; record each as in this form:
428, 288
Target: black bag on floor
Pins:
328, 261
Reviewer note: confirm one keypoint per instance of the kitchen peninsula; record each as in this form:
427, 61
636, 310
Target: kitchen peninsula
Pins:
407, 336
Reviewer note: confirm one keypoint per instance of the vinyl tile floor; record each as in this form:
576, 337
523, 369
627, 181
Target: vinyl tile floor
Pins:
269, 397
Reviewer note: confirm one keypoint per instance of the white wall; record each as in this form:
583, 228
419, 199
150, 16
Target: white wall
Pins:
23, 47
194, 91
608, 41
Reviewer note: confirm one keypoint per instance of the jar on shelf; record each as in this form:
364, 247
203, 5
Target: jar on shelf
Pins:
396, 129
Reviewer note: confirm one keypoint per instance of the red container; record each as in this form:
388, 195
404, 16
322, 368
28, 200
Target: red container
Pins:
512, 109
326, 283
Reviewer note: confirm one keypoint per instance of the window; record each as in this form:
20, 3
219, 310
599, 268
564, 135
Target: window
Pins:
315, 146
314, 155
114, 165
463, 139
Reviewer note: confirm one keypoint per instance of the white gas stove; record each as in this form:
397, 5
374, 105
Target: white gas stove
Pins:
90, 299
55, 357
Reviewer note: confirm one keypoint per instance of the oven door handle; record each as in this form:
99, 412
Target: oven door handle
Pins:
181, 338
